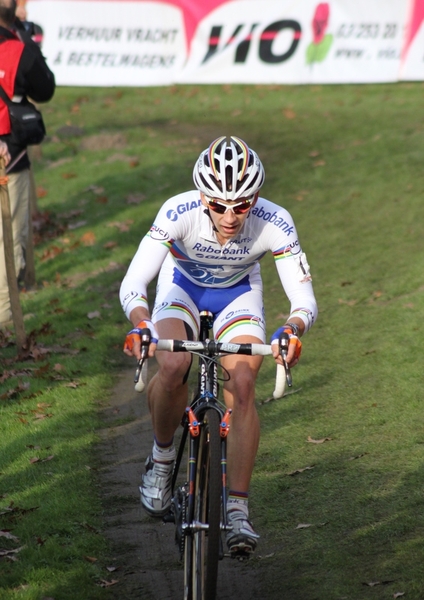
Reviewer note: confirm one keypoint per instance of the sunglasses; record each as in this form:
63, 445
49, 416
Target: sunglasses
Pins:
238, 209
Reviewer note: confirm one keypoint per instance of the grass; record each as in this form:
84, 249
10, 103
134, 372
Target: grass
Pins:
346, 162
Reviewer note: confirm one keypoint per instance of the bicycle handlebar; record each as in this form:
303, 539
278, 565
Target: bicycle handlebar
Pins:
212, 348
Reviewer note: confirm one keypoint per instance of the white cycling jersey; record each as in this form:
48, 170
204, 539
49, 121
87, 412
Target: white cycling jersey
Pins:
182, 241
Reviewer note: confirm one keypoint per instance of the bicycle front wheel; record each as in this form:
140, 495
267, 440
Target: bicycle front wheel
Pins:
203, 544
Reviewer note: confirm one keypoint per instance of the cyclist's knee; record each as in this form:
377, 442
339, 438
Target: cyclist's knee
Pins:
173, 370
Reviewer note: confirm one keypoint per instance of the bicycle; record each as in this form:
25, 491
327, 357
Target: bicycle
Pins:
198, 507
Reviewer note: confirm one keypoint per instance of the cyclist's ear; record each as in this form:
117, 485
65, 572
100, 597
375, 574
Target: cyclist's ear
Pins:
202, 198
255, 199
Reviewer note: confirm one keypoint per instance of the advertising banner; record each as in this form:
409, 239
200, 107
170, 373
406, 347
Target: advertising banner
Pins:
146, 42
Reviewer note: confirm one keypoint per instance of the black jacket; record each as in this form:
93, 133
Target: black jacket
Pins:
33, 79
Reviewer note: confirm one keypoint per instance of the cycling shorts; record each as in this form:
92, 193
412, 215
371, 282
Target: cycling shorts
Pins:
238, 309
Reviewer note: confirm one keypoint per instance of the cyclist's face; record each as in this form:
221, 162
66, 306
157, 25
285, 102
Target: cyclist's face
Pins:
227, 225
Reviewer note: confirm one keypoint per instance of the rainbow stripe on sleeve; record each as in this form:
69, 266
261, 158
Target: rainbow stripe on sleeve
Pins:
282, 253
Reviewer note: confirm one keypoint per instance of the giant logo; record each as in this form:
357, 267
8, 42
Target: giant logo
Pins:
173, 214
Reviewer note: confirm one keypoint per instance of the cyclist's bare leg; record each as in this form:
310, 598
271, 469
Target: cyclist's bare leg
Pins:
167, 392
239, 394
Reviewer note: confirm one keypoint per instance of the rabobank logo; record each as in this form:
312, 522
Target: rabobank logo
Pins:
274, 218
174, 213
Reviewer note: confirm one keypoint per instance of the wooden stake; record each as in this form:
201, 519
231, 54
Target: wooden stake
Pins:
18, 320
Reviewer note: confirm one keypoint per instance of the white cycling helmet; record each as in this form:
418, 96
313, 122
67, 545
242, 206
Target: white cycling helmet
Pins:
228, 170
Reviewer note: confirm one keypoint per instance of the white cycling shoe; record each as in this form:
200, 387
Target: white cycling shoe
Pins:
156, 487
242, 539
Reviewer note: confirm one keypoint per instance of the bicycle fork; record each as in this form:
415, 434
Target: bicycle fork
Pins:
191, 526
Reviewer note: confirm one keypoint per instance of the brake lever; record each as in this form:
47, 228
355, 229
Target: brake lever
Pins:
284, 348
145, 342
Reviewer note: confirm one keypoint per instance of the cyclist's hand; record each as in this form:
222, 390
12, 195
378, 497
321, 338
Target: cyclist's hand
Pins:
132, 345
295, 346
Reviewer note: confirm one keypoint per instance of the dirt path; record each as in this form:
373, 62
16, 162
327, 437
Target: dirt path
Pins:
143, 548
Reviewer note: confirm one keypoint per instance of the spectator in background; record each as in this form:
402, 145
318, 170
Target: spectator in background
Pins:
4, 153
23, 73
21, 23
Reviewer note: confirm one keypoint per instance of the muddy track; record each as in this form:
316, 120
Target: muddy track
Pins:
143, 548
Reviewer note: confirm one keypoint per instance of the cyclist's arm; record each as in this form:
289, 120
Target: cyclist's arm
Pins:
133, 293
294, 273
296, 281
143, 269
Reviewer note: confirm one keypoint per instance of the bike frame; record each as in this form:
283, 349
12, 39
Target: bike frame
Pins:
206, 397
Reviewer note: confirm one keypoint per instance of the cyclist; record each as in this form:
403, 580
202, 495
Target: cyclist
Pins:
206, 245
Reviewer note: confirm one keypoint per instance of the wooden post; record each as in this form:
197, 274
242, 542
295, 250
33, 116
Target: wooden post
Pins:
18, 320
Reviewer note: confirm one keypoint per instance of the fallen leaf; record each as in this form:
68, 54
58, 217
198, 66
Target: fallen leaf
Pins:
77, 224
301, 470
318, 163
41, 192
358, 456
110, 245
51, 252
68, 175
348, 302
374, 583
106, 584
289, 113
9, 536
95, 189
7, 552
14, 392
112, 569
16, 510
90, 559
40, 416
314, 153
94, 315
398, 594
122, 226
90, 527
72, 384
88, 239
321, 441
135, 198
304, 525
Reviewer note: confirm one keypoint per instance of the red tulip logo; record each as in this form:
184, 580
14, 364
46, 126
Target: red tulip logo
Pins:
321, 43
320, 21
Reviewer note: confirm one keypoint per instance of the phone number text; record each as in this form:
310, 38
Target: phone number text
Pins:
368, 30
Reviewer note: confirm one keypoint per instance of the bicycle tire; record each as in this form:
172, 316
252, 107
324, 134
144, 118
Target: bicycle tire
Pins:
202, 547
